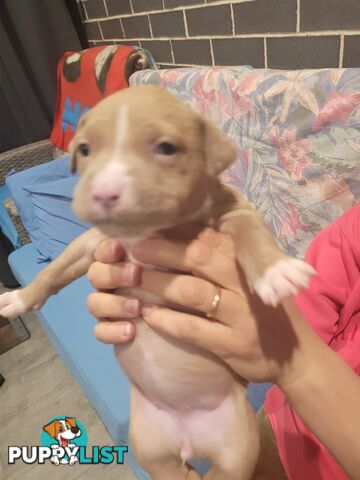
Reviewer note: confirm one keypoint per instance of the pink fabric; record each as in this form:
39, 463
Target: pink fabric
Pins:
332, 306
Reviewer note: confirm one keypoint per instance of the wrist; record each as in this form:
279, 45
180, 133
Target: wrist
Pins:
293, 371
305, 346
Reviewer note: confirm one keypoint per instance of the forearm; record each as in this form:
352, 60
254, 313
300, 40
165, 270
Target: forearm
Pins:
326, 395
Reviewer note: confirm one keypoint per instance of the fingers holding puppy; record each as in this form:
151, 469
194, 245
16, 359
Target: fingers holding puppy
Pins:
210, 256
115, 331
195, 294
114, 314
114, 275
108, 272
109, 250
107, 305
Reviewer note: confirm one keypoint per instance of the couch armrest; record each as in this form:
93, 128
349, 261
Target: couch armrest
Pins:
25, 157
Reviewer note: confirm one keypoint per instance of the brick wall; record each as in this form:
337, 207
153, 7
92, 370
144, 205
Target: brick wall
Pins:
262, 33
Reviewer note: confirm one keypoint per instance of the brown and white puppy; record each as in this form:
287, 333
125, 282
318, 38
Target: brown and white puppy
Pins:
63, 431
147, 164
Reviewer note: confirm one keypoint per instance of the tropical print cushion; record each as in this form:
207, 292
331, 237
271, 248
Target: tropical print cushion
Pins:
298, 136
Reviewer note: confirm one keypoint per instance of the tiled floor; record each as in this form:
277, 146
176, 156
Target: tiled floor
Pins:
39, 387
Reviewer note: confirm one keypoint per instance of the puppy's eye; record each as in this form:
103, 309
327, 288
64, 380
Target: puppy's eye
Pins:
166, 148
84, 149
61, 429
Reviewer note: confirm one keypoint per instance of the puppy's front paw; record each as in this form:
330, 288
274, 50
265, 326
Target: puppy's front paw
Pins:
55, 460
11, 304
282, 280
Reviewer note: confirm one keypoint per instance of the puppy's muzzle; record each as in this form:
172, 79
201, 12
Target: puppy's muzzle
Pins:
105, 200
107, 187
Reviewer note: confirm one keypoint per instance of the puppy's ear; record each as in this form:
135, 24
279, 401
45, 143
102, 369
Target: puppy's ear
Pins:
219, 150
71, 420
52, 428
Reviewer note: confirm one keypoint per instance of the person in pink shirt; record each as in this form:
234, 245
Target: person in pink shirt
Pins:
310, 423
332, 307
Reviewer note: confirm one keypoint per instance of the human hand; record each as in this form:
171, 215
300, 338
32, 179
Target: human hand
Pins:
258, 342
114, 312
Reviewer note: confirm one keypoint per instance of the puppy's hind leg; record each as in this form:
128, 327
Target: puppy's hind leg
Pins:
235, 458
155, 441
171, 469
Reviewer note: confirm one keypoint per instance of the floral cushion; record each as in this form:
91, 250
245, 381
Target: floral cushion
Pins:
298, 135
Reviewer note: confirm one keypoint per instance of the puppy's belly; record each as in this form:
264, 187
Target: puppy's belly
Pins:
188, 433
173, 374
181, 389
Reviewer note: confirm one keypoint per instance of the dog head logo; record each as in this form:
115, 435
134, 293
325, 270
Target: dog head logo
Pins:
63, 430
64, 435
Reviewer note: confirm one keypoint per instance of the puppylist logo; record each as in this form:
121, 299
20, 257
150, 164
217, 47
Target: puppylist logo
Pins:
64, 442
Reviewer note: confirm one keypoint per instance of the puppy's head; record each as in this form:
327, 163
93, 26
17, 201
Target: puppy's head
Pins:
63, 430
145, 160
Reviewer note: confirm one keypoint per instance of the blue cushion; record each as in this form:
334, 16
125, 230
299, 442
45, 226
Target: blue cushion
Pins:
57, 221
6, 225
256, 394
46, 172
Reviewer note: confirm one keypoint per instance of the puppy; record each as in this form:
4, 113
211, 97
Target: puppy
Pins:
63, 431
148, 164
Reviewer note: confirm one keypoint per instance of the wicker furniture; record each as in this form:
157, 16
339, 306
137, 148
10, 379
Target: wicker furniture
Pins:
14, 331
19, 159
25, 157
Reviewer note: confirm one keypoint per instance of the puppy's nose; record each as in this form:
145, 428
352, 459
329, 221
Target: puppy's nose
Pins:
106, 199
74, 429
105, 191
108, 186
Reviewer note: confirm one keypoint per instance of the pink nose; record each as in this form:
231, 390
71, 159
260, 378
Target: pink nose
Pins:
107, 186
106, 200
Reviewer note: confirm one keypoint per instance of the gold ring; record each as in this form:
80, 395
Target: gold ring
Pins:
214, 304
